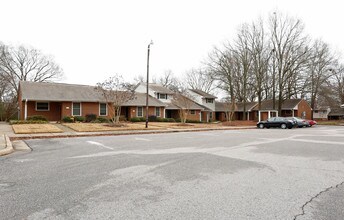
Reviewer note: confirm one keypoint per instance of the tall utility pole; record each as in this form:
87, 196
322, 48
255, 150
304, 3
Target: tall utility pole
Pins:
151, 43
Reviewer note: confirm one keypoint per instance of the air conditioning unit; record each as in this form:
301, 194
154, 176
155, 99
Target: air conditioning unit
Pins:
342, 106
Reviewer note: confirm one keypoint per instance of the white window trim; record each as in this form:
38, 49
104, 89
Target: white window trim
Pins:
106, 108
38, 110
137, 111
73, 108
159, 95
159, 112
209, 100
194, 112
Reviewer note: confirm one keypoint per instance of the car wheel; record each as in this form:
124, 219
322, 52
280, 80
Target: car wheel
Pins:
261, 126
283, 126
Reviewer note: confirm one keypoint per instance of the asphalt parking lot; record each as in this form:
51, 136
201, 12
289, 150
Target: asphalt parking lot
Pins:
234, 174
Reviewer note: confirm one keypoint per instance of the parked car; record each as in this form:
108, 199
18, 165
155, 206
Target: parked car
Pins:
277, 122
299, 122
311, 123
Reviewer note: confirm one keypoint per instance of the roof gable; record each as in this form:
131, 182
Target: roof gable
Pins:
203, 94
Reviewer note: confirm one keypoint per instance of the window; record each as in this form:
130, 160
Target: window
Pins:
76, 111
157, 111
162, 96
42, 106
102, 109
139, 112
192, 112
209, 100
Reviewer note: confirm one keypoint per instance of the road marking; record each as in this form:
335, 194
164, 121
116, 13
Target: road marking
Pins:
99, 144
142, 139
22, 160
318, 141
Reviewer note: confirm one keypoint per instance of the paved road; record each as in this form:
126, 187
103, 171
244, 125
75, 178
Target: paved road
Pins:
242, 174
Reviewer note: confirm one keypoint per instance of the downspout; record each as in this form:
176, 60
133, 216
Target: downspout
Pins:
25, 111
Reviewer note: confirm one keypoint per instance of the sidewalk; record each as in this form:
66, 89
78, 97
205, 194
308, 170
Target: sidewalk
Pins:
5, 144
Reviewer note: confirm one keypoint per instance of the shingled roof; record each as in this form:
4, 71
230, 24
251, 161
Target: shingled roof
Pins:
44, 91
157, 88
222, 106
140, 100
61, 92
204, 94
287, 104
336, 112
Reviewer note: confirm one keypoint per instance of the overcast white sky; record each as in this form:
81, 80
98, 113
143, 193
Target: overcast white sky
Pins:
92, 40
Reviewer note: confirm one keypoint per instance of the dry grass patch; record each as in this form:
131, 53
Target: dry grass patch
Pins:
239, 123
35, 128
178, 125
95, 127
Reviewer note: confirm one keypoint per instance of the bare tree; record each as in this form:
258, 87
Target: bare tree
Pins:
222, 66
200, 79
183, 101
229, 108
243, 54
290, 51
319, 69
116, 93
168, 80
27, 64
261, 53
338, 71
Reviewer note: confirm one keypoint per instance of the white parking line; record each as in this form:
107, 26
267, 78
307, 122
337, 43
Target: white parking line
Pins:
99, 144
317, 141
142, 139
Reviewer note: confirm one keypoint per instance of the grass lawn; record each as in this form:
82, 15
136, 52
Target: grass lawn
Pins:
35, 128
94, 127
98, 127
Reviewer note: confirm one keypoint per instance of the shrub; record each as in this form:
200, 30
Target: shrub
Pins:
90, 117
137, 119
101, 120
68, 119
188, 121
170, 120
17, 122
152, 118
36, 118
79, 118
193, 121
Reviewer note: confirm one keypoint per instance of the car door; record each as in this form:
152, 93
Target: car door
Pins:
272, 122
277, 122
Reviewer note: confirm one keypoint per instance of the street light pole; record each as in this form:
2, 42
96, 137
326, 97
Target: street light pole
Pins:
151, 43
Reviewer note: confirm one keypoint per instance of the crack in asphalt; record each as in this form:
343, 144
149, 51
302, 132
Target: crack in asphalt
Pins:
314, 197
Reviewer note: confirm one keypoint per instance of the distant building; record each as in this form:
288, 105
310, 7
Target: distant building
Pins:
321, 113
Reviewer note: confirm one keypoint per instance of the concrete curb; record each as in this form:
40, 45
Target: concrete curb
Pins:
9, 148
18, 137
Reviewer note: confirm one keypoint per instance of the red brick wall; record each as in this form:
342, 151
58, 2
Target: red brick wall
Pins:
304, 107
66, 109
194, 117
52, 115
